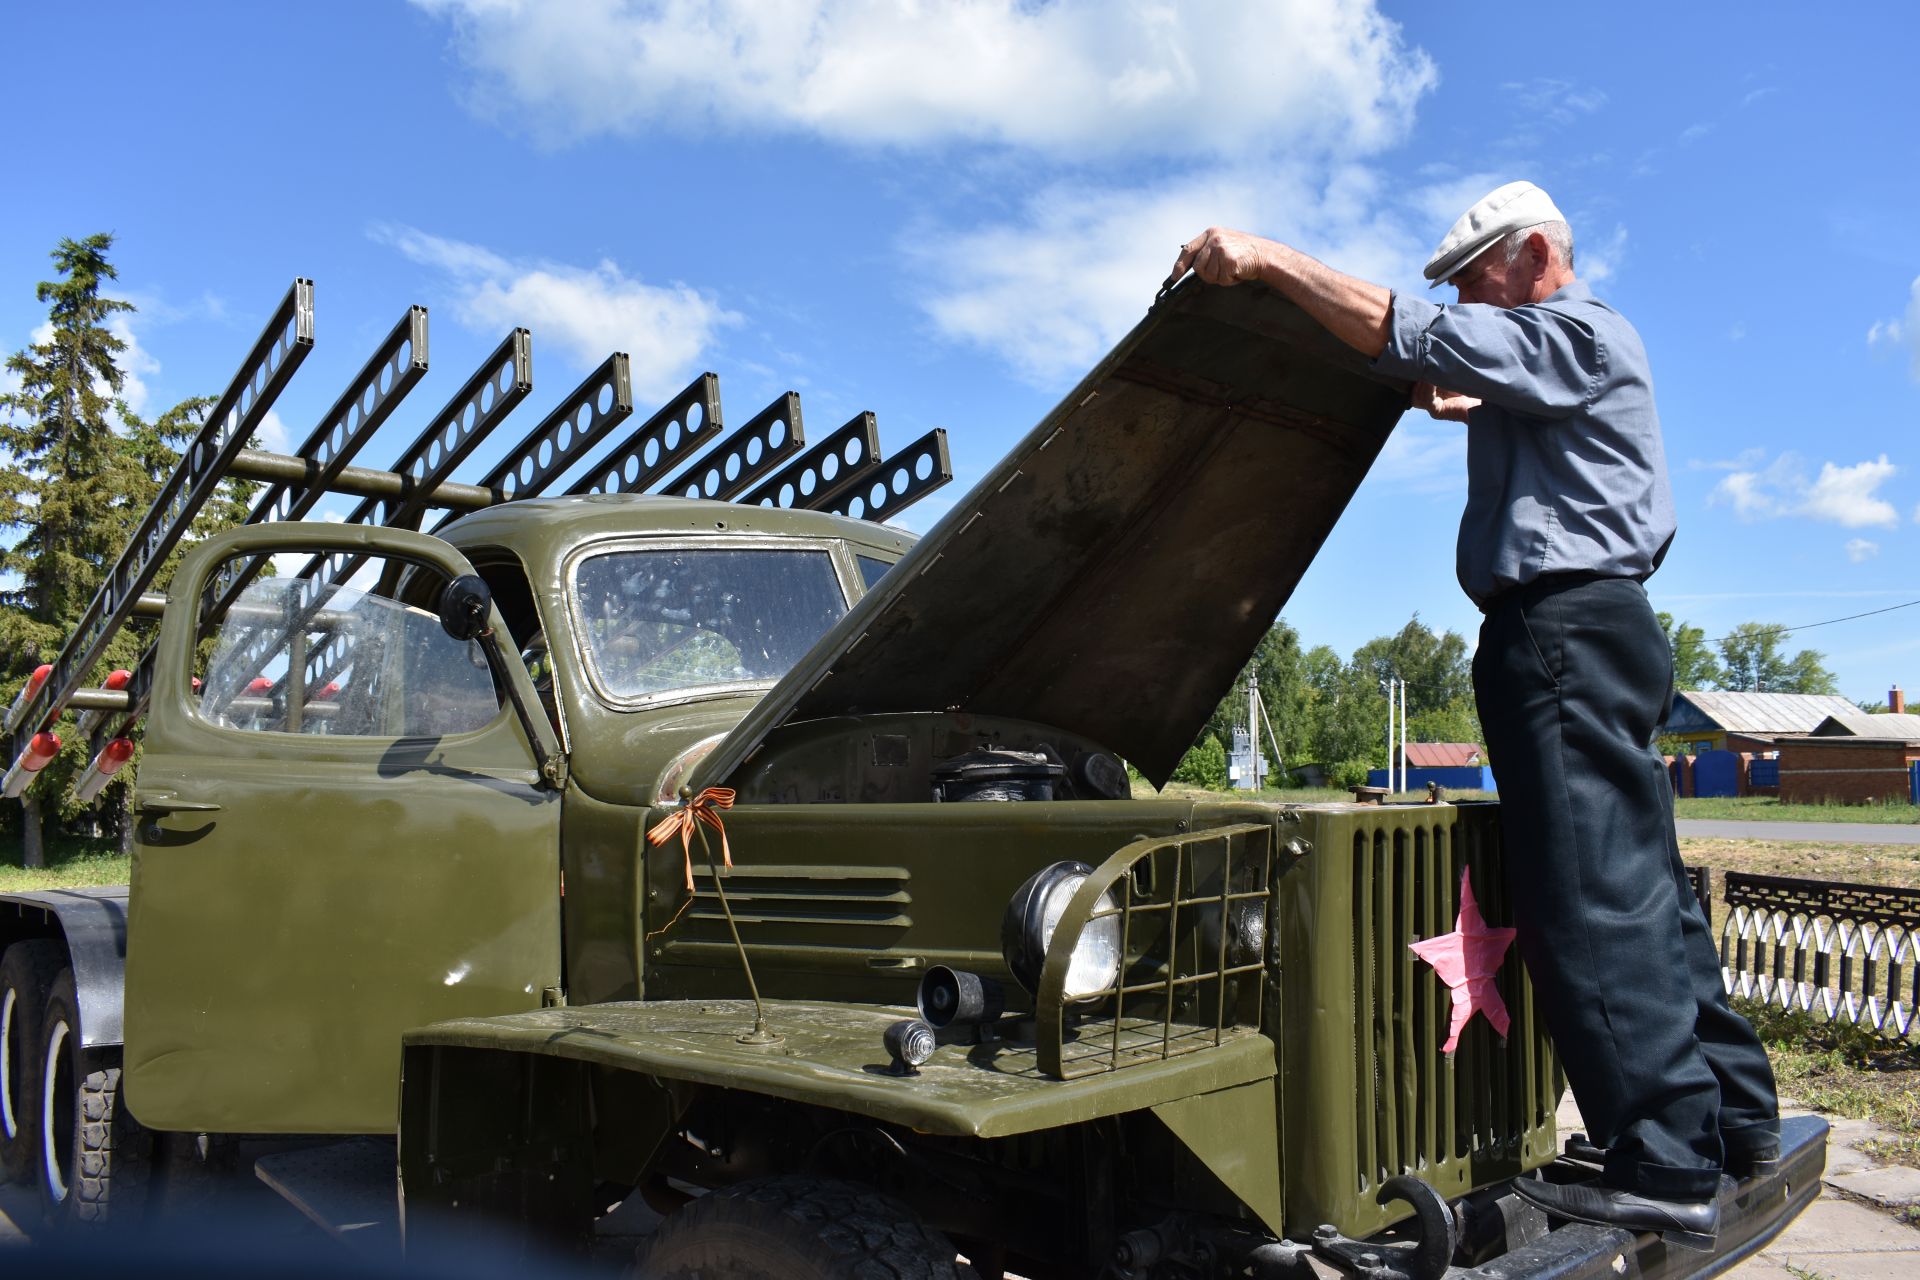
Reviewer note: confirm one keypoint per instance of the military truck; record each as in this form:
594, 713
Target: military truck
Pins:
694, 835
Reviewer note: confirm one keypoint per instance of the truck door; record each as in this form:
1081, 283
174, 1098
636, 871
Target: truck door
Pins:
342, 833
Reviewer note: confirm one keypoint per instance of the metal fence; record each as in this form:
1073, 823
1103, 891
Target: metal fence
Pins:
1837, 951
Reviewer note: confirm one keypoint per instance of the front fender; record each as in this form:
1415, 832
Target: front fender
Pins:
831, 1055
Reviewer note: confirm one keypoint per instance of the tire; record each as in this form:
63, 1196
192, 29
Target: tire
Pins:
94, 1158
802, 1228
26, 976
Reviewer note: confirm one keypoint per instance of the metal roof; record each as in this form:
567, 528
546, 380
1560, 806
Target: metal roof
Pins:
1443, 755
1764, 713
1865, 724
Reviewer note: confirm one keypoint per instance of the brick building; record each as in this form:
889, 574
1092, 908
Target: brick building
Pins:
1853, 758
1847, 770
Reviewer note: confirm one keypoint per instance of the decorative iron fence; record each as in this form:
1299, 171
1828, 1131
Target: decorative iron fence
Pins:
1837, 951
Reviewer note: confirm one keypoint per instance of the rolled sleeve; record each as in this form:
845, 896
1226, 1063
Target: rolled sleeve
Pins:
1532, 360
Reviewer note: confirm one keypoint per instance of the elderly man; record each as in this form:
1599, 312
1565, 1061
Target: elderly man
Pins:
1568, 512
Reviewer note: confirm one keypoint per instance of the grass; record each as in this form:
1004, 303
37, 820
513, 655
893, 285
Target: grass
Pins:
1888, 864
1769, 809
71, 863
1849, 1071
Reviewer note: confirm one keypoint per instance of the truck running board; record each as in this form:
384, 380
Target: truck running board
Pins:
350, 1189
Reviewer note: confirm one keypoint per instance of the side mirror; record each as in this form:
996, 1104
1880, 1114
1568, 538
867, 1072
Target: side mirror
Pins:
465, 606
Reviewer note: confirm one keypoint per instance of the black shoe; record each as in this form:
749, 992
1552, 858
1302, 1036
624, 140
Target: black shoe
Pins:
1679, 1222
1757, 1159
1753, 1160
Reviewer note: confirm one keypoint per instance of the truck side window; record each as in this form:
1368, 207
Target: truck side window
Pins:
298, 655
872, 570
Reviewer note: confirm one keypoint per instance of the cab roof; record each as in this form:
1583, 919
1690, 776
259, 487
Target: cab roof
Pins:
543, 530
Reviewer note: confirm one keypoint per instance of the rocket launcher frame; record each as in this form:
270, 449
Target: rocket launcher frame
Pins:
765, 462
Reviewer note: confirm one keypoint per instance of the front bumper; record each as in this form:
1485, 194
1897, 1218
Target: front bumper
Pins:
1752, 1213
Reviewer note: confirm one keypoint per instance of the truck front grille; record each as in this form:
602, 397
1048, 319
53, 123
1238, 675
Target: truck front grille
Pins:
1364, 1019
1413, 1109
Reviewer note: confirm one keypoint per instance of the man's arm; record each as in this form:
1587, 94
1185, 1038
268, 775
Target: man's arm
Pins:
1353, 310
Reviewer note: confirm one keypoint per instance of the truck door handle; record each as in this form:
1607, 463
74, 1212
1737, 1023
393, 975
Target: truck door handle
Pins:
158, 805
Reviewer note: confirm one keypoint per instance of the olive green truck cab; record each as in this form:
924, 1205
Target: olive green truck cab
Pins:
921, 977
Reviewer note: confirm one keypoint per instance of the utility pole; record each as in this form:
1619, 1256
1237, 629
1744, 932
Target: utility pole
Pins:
1253, 728
1396, 711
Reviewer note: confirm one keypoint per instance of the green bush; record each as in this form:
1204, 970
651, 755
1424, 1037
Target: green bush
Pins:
1204, 765
1348, 773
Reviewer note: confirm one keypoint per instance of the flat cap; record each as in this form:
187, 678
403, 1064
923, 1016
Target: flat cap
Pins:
1503, 210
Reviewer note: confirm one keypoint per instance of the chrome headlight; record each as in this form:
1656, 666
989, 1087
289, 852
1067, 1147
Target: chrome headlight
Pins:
1026, 932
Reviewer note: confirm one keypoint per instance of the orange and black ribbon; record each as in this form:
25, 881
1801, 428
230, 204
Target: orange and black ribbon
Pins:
702, 808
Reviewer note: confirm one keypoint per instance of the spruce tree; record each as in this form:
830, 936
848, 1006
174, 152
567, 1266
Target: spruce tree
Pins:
72, 487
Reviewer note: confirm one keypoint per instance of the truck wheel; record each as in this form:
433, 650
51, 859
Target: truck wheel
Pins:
26, 975
93, 1156
797, 1227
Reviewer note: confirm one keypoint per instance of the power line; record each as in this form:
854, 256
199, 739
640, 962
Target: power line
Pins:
1808, 626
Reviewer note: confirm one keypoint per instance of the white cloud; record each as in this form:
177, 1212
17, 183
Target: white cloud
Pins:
1600, 257
589, 312
136, 365
1559, 101
1859, 549
1846, 496
1424, 455
1168, 76
273, 433
1898, 333
1052, 289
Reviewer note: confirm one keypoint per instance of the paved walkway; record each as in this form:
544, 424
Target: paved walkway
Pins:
1816, 832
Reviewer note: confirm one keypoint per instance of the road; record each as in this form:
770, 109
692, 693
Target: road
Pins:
1815, 832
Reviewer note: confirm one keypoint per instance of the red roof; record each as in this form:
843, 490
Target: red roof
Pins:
1442, 755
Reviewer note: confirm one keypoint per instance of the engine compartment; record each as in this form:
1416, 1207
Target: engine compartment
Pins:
921, 757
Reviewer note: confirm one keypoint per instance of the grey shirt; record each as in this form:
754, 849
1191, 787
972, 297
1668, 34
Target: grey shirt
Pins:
1565, 469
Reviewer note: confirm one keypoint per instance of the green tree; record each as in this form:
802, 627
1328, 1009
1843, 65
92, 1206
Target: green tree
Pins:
1755, 660
1347, 710
73, 485
1204, 765
1436, 666
1458, 721
1694, 666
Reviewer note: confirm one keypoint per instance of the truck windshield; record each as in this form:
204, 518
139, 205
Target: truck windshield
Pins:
660, 621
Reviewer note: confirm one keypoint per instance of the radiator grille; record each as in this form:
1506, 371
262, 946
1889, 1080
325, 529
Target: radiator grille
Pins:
1413, 1109
1368, 1094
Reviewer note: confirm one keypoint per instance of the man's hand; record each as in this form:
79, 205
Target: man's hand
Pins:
1354, 311
1450, 406
1220, 256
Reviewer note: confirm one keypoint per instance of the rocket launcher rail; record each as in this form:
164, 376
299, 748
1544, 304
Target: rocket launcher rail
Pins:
765, 462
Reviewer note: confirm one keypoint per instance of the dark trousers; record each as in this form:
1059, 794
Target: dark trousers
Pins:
1573, 677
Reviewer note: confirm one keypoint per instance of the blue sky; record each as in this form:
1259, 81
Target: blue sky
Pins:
945, 212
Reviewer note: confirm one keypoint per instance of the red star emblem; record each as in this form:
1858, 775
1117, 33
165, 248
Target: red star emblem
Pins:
1466, 961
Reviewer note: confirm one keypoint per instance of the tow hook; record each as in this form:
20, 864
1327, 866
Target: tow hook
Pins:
1425, 1257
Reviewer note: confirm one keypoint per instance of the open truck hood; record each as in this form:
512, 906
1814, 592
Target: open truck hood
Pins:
1112, 575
